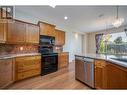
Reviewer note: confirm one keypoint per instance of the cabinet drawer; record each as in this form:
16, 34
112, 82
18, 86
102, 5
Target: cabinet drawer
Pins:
100, 63
27, 74
27, 63
20, 59
22, 68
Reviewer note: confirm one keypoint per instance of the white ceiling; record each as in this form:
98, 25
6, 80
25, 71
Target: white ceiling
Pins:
81, 18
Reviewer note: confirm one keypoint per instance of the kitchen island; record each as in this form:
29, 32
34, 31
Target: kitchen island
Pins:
109, 71
115, 59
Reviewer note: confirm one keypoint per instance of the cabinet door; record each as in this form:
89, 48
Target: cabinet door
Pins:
16, 32
3, 30
117, 77
47, 29
98, 77
62, 38
32, 34
6, 72
59, 37
63, 60
100, 74
50, 30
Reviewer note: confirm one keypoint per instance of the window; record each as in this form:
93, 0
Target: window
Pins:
115, 43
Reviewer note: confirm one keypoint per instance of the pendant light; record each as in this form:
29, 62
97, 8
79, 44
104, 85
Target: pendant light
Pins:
118, 21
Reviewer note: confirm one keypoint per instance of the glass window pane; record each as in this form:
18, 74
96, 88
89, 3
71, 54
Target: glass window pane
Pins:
115, 43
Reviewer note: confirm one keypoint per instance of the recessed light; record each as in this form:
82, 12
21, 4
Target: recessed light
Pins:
65, 17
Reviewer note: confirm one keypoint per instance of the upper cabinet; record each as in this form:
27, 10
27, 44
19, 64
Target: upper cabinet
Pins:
16, 32
47, 29
59, 37
32, 33
3, 30
19, 32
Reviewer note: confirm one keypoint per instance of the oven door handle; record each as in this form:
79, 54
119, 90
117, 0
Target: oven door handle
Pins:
49, 55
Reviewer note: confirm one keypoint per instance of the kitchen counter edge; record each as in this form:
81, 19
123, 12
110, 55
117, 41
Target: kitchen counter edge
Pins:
105, 58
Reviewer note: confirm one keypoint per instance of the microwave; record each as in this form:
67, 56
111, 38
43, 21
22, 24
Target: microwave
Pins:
47, 40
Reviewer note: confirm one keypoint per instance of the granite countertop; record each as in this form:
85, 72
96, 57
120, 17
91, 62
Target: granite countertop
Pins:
106, 58
17, 55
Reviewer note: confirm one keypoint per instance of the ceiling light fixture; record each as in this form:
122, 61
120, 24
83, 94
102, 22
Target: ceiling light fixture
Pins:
118, 21
53, 6
65, 17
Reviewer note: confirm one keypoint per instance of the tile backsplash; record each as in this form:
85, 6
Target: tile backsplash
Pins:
17, 49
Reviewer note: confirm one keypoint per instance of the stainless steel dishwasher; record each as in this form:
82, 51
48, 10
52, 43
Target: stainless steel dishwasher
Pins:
84, 70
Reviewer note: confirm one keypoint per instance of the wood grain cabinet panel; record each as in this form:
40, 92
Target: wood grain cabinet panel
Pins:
30, 73
59, 37
47, 29
100, 74
63, 60
27, 67
117, 77
6, 72
109, 75
3, 30
32, 33
16, 32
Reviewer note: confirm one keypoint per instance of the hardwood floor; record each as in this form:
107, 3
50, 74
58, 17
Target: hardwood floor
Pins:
62, 79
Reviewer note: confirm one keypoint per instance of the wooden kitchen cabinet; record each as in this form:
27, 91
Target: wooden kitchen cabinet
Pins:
6, 72
16, 32
63, 59
59, 37
47, 29
26, 67
32, 33
100, 74
3, 30
109, 75
117, 77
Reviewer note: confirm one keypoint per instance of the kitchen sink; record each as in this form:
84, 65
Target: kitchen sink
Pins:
120, 59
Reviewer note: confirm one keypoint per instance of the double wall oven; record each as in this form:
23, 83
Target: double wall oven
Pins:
49, 59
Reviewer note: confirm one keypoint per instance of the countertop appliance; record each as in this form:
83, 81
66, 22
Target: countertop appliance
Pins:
84, 70
49, 59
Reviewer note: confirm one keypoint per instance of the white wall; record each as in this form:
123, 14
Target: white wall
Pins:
72, 45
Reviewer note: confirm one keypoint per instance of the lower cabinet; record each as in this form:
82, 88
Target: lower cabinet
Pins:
100, 74
26, 67
116, 77
63, 59
109, 75
6, 72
